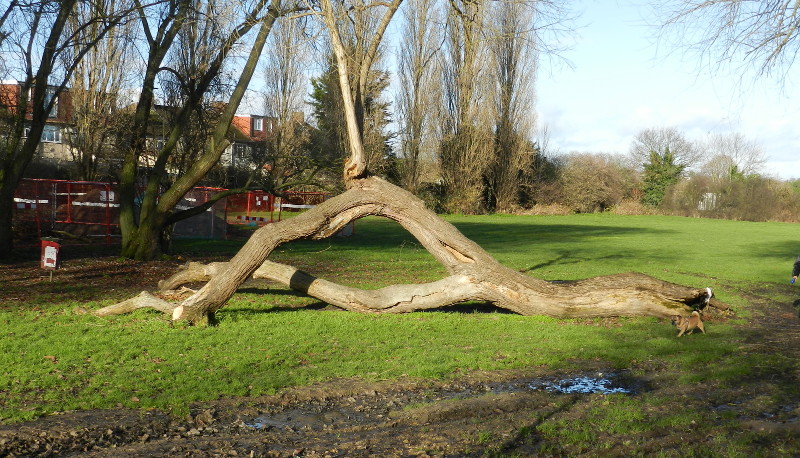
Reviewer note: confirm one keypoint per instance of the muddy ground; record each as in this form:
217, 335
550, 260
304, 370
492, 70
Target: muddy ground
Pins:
475, 414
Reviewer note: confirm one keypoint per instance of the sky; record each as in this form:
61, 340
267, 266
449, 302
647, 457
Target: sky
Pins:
624, 81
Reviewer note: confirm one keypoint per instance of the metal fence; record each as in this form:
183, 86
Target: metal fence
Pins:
84, 211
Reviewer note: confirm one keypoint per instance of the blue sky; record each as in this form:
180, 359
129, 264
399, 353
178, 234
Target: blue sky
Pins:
623, 81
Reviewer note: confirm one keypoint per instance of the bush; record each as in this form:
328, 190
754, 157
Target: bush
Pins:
547, 210
594, 182
633, 207
752, 198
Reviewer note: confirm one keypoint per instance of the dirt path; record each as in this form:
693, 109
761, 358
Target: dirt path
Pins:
479, 414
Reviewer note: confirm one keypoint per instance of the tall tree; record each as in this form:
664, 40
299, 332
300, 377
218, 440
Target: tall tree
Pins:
144, 217
291, 160
514, 63
44, 58
466, 146
359, 23
417, 97
96, 90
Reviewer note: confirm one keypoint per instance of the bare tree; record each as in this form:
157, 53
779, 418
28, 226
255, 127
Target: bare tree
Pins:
511, 46
96, 90
197, 78
661, 139
284, 70
417, 108
467, 139
733, 154
473, 273
12, 5
290, 160
763, 34
358, 22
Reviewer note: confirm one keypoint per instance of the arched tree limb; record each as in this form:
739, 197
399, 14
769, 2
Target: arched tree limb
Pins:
474, 274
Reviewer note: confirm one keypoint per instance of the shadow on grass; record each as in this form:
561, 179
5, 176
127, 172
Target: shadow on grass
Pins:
570, 257
388, 234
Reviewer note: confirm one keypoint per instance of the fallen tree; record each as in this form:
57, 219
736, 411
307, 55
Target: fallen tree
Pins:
474, 275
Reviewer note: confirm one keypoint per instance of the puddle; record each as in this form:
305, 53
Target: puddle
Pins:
354, 412
296, 419
263, 423
581, 384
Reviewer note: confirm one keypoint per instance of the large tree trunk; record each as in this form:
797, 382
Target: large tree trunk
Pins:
144, 242
474, 274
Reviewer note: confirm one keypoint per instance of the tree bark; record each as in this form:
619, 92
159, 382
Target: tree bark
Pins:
473, 274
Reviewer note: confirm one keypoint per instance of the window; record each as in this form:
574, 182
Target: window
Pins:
51, 134
241, 152
50, 95
258, 124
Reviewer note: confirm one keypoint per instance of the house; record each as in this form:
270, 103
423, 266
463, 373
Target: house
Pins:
249, 134
53, 147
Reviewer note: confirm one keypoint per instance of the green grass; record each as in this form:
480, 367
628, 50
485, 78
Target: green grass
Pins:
52, 359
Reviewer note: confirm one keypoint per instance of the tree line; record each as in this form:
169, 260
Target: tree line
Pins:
458, 130
663, 172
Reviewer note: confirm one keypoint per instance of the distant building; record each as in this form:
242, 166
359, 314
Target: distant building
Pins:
60, 122
249, 134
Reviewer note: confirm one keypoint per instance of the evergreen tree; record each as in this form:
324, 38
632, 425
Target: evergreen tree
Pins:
326, 102
660, 172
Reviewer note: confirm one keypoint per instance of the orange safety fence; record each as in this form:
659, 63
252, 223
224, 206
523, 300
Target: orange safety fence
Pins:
82, 209
86, 211
254, 208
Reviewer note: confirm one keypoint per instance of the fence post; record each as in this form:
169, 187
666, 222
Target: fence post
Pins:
108, 213
37, 199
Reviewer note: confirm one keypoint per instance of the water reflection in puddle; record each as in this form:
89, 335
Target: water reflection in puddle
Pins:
581, 384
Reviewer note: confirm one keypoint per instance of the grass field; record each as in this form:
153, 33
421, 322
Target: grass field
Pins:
54, 359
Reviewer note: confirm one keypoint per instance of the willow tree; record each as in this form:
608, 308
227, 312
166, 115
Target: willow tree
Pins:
201, 37
473, 273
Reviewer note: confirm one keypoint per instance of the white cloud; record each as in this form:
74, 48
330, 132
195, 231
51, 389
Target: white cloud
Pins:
618, 88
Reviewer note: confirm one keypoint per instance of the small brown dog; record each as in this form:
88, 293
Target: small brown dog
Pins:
687, 325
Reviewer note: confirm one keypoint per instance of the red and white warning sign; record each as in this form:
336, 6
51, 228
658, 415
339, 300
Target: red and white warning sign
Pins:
50, 250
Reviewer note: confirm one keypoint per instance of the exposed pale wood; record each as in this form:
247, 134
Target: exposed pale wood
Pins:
143, 300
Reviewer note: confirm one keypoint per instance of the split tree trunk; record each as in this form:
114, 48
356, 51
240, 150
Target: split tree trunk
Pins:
473, 274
